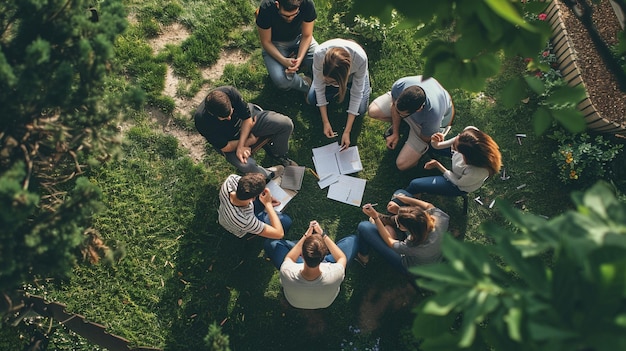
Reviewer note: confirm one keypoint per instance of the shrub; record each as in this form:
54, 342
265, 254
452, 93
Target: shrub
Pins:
581, 159
215, 340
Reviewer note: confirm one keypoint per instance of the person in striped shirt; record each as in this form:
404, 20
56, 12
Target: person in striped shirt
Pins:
247, 206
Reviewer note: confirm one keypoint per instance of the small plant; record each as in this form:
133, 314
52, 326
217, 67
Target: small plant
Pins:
581, 158
360, 341
215, 340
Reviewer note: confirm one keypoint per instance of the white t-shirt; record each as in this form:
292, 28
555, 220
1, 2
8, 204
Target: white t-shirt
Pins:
311, 294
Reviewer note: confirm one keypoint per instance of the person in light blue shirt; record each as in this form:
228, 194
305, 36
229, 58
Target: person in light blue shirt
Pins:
422, 104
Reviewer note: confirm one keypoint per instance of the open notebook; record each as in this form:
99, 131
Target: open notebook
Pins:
329, 159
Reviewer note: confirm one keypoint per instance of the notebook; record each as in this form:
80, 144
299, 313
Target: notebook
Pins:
292, 177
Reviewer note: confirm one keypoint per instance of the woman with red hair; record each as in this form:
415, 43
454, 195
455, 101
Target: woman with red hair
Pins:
475, 157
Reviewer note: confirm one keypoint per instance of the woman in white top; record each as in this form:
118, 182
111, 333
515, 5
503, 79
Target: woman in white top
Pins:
475, 157
339, 67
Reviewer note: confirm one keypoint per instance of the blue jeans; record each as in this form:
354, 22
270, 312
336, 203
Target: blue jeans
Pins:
277, 250
369, 239
332, 91
277, 71
259, 211
437, 185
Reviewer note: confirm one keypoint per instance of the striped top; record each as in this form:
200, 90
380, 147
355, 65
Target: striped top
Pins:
237, 220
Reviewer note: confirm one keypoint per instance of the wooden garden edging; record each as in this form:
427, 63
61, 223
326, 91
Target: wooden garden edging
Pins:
570, 70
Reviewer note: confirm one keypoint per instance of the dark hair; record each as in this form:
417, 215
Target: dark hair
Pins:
313, 250
250, 186
217, 104
289, 5
417, 222
479, 150
337, 63
411, 99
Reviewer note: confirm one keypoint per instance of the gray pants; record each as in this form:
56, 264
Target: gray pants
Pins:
268, 124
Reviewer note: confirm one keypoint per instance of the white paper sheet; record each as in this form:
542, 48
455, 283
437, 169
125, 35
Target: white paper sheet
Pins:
348, 190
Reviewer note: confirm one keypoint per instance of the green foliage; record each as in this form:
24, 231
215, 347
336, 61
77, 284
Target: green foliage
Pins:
480, 31
581, 159
59, 107
38, 241
215, 340
553, 284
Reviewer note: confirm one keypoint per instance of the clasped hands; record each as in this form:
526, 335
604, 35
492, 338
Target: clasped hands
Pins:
314, 228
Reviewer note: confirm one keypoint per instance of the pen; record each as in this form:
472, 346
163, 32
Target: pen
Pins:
375, 204
314, 174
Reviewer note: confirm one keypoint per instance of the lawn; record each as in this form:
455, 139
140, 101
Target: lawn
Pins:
179, 271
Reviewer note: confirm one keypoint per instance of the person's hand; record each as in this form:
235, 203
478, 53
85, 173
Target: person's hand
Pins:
294, 66
286, 62
316, 228
328, 130
400, 196
432, 164
311, 229
243, 152
345, 140
370, 211
435, 139
392, 141
275, 202
266, 197
393, 207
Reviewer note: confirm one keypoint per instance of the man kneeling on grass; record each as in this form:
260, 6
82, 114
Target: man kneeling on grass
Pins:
247, 206
313, 280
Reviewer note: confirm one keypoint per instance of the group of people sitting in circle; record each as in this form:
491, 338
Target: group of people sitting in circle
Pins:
410, 231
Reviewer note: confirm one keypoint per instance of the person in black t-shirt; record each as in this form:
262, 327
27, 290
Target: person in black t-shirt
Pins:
232, 126
285, 30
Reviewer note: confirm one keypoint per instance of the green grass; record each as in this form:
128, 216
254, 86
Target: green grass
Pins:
181, 271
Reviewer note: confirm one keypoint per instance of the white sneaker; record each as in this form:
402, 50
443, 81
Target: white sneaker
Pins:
276, 171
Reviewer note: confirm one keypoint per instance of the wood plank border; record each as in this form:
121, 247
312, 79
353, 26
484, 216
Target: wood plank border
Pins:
570, 70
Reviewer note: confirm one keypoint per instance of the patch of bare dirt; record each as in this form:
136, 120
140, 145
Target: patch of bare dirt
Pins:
190, 140
601, 84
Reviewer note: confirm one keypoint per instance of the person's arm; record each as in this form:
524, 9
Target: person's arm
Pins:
274, 230
296, 251
394, 138
411, 201
345, 137
231, 145
328, 128
437, 141
435, 164
243, 150
265, 37
305, 42
369, 210
335, 251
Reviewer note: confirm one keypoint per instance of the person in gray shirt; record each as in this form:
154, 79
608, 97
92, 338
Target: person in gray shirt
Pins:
411, 237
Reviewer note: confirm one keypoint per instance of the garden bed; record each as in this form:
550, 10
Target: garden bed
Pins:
605, 107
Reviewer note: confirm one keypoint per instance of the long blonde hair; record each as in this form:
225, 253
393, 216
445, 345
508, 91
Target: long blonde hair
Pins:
337, 63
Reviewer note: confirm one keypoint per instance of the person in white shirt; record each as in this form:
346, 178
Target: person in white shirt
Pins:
340, 66
475, 157
310, 277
